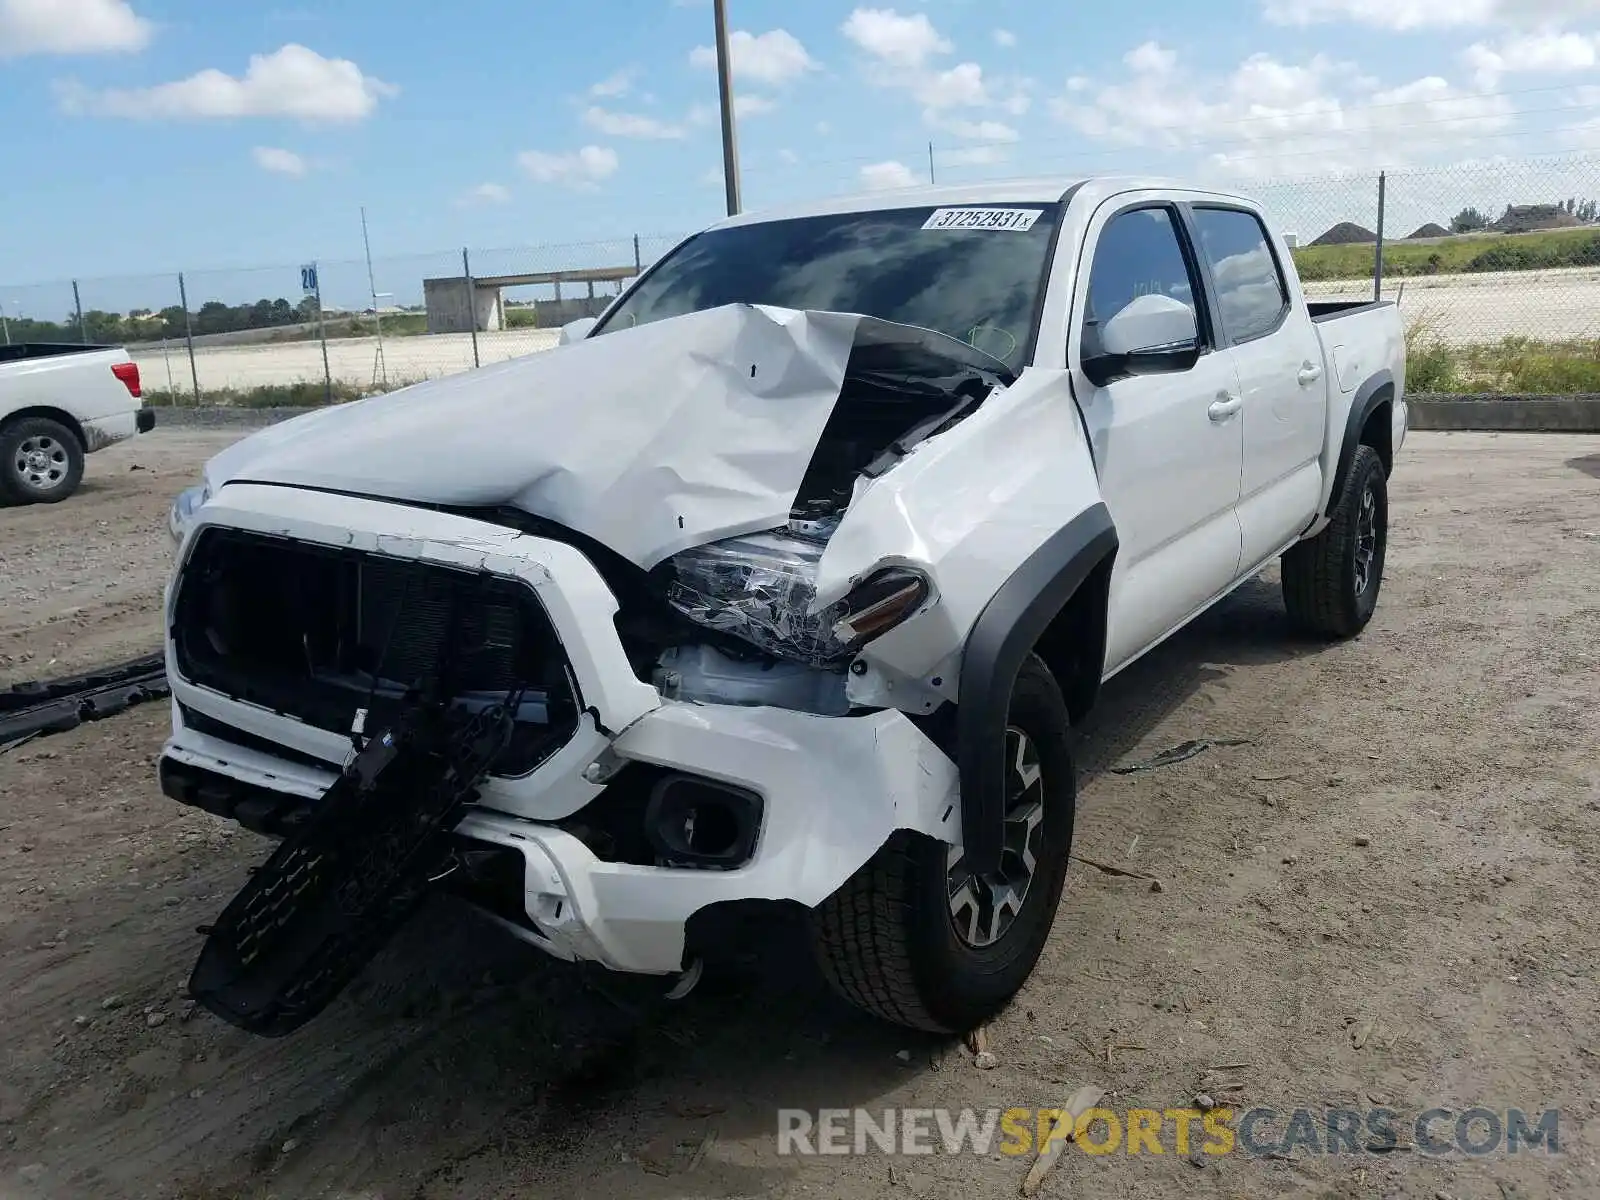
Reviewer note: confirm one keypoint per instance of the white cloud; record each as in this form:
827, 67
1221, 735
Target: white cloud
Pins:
902, 47
884, 175
1268, 117
278, 161
630, 125
1425, 14
1004, 38
1151, 58
618, 83
973, 156
486, 193
753, 106
581, 169
1546, 51
70, 27
902, 41
981, 131
775, 57
959, 87
789, 156
290, 82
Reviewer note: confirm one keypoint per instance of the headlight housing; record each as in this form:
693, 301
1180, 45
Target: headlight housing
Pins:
183, 509
761, 589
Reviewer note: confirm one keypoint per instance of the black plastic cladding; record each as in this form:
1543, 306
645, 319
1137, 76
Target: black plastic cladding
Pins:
1375, 391
1003, 635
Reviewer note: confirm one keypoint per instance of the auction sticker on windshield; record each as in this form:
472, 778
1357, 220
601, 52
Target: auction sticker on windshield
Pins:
1017, 220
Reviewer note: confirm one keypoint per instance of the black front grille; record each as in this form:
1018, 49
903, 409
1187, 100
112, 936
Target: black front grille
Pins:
318, 633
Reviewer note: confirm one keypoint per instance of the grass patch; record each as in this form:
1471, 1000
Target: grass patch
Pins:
1511, 366
1457, 255
304, 394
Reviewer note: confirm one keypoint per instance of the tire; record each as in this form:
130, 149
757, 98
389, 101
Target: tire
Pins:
41, 461
1326, 588
888, 941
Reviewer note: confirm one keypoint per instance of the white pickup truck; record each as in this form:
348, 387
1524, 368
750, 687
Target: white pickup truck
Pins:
782, 582
57, 404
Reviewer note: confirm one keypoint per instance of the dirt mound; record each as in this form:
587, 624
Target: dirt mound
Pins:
1346, 233
1430, 230
1529, 218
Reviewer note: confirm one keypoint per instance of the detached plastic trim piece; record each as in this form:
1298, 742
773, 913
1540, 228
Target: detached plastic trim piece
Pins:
55, 706
28, 695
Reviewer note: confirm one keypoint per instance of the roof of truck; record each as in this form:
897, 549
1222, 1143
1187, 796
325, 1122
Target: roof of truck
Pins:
1002, 191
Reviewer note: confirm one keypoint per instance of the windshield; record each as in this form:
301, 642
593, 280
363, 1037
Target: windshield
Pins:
974, 274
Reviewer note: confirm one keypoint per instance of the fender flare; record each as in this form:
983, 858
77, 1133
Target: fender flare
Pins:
1375, 391
1006, 630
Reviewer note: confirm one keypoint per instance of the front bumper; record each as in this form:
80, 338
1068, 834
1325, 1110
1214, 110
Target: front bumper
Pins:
833, 789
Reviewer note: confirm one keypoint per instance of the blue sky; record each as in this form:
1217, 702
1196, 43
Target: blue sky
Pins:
148, 135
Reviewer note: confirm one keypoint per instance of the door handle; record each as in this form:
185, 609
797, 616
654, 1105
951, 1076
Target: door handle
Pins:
1309, 374
1224, 406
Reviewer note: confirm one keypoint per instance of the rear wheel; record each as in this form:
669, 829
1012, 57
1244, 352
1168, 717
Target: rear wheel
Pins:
916, 937
41, 461
1331, 582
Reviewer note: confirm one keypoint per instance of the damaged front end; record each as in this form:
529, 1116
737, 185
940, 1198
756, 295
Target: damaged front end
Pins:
901, 386
528, 662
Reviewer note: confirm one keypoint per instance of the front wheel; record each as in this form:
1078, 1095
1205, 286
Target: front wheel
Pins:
41, 461
915, 937
1331, 582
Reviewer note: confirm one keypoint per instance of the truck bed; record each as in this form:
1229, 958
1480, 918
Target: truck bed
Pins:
33, 350
1332, 310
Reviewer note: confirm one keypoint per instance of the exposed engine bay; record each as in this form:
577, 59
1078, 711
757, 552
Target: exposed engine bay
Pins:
754, 596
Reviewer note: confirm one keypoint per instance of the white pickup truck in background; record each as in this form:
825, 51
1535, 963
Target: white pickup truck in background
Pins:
57, 404
783, 583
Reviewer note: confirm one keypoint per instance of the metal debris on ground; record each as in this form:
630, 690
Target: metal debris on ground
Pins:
1182, 752
1108, 869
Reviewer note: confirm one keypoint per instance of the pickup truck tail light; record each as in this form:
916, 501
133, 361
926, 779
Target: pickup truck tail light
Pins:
128, 372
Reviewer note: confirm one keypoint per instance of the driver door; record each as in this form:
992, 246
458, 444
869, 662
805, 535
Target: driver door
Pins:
1168, 447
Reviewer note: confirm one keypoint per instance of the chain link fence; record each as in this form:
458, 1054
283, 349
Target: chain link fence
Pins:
1496, 266
330, 330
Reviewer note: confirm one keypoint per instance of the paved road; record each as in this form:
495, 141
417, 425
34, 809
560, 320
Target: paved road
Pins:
1460, 309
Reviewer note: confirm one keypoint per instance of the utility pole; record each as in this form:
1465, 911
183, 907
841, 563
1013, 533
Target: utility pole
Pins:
380, 363
730, 148
931, 179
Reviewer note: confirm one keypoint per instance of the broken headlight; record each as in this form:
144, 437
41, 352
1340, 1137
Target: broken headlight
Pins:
183, 509
761, 589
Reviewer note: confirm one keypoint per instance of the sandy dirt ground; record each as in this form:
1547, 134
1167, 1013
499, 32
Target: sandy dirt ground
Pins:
81, 581
350, 360
1384, 897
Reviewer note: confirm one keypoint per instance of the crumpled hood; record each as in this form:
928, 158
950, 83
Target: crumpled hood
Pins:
650, 440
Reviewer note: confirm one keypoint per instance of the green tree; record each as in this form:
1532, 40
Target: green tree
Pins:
1469, 220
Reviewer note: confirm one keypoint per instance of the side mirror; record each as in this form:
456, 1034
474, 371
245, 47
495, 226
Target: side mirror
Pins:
1153, 335
576, 331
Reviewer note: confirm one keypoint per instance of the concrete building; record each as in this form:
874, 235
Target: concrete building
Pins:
453, 302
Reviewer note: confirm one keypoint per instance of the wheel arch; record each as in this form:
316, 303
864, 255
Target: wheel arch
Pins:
58, 415
1367, 423
1055, 602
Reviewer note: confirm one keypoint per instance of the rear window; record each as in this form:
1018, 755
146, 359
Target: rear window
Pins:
974, 274
1251, 297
